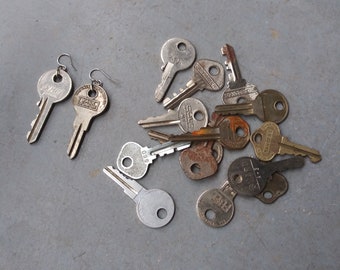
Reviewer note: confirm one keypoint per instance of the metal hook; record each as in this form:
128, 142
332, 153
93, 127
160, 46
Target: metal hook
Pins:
99, 82
63, 67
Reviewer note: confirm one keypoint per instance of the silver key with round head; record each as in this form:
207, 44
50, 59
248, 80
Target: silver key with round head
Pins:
89, 101
134, 160
155, 207
177, 54
190, 115
53, 86
207, 75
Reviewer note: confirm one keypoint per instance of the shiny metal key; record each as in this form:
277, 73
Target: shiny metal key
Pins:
269, 105
190, 115
134, 160
89, 101
215, 207
177, 54
207, 74
155, 207
249, 176
53, 86
238, 89
268, 142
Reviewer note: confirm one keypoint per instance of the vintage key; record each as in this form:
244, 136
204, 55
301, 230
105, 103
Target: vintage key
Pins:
177, 54
133, 160
155, 208
268, 142
89, 101
53, 86
238, 89
276, 187
215, 207
249, 176
207, 75
269, 105
190, 115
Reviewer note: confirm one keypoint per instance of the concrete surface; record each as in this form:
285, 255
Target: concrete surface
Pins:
57, 213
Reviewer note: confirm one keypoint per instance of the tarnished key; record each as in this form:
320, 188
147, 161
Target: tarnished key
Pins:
269, 105
215, 207
89, 101
177, 54
155, 207
268, 142
238, 89
134, 160
207, 75
190, 115
276, 187
53, 86
248, 176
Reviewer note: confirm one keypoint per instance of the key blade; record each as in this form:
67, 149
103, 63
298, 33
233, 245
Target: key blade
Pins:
168, 148
159, 136
168, 75
232, 109
169, 118
203, 134
284, 165
79, 128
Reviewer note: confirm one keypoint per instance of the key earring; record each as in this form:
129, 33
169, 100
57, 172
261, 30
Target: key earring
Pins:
89, 101
53, 86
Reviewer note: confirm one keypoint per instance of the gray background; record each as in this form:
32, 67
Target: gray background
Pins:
57, 213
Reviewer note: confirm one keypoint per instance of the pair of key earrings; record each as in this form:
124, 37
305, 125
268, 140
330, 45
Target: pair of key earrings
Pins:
89, 101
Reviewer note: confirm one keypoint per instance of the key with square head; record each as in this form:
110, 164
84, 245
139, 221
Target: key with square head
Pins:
133, 160
155, 207
207, 74
276, 187
89, 101
238, 89
215, 207
249, 176
190, 115
268, 142
177, 54
269, 105
53, 86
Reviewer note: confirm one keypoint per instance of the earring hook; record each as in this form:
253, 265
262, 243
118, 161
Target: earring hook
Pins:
99, 82
63, 67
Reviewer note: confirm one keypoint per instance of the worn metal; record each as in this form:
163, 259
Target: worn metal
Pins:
276, 187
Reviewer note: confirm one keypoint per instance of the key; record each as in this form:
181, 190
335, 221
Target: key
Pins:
238, 89
134, 160
268, 142
215, 207
177, 54
276, 187
207, 74
249, 176
89, 101
155, 207
52, 88
269, 105
190, 115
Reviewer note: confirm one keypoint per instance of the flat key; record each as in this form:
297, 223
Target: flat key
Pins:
133, 160
268, 142
177, 54
249, 176
215, 207
52, 88
89, 101
155, 208
190, 115
238, 89
269, 105
207, 74
276, 187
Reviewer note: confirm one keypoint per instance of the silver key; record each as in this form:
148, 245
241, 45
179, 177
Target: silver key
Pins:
52, 88
89, 101
155, 208
177, 54
238, 89
133, 159
207, 75
191, 115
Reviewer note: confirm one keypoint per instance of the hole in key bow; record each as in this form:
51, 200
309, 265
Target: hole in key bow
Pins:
238, 178
268, 195
257, 138
210, 214
199, 116
57, 78
162, 213
279, 106
127, 162
195, 168
92, 93
240, 132
241, 100
181, 46
214, 70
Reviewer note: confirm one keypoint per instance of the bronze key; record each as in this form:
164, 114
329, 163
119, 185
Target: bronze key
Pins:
276, 187
268, 142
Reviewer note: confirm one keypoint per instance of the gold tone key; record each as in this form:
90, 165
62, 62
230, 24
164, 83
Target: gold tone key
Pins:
268, 142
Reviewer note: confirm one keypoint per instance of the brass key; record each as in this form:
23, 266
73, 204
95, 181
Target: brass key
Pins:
268, 142
269, 105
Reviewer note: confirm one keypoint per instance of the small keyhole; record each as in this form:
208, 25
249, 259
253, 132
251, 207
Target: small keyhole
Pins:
92, 93
240, 132
195, 168
214, 70
279, 106
258, 138
210, 214
238, 178
162, 213
57, 78
199, 116
181, 46
268, 195
127, 162
241, 100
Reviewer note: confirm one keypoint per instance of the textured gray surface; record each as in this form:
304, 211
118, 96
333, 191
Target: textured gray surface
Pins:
61, 214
